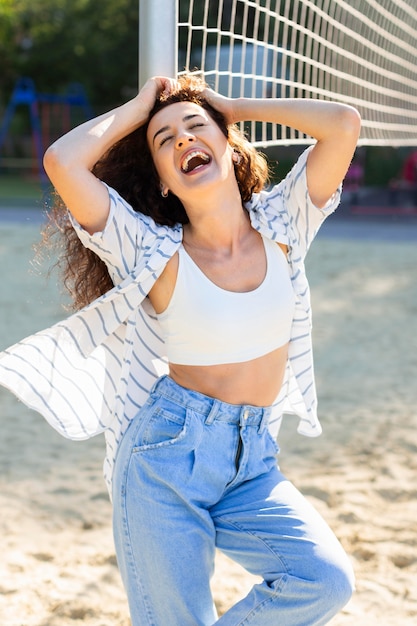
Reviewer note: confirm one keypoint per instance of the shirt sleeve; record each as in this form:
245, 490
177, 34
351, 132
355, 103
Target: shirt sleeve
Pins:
120, 242
286, 213
304, 216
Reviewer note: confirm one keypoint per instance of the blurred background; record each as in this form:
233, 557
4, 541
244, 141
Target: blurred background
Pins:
63, 61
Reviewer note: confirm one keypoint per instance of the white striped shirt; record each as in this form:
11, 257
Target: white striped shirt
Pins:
92, 372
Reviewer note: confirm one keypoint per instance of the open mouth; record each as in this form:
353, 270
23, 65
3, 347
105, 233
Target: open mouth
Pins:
194, 160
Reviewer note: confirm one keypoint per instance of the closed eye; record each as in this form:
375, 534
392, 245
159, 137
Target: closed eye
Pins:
164, 140
197, 124
168, 137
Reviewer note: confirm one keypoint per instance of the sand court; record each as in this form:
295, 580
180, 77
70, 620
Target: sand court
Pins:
57, 565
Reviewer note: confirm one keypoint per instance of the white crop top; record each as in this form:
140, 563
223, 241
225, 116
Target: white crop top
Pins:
207, 325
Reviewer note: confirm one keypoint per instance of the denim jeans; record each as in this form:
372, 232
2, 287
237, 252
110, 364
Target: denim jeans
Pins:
192, 474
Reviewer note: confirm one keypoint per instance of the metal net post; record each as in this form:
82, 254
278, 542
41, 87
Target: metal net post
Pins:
158, 47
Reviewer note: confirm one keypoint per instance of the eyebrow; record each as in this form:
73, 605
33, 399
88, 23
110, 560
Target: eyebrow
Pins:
165, 128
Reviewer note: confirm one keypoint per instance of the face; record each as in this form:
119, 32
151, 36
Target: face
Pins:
189, 150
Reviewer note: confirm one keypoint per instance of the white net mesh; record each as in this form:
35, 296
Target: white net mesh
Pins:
361, 52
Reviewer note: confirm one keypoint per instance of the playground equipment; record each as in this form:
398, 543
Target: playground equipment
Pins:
50, 115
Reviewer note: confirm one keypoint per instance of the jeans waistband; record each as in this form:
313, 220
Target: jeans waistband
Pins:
211, 408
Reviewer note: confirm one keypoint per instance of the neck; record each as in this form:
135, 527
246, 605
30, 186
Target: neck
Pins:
219, 229
216, 220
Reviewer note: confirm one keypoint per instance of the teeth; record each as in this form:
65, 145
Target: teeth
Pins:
192, 155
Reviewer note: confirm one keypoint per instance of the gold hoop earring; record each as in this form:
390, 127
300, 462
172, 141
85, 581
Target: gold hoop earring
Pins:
237, 157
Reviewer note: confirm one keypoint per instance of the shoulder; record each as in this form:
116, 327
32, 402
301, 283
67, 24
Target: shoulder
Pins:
279, 192
286, 209
271, 209
125, 222
130, 239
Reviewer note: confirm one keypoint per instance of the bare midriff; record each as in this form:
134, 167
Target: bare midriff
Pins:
256, 382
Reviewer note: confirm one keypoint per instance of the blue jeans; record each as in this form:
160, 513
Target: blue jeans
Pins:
192, 474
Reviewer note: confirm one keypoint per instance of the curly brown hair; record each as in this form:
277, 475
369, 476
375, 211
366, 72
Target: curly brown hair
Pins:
128, 167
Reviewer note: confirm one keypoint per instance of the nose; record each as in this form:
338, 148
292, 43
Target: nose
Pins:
184, 138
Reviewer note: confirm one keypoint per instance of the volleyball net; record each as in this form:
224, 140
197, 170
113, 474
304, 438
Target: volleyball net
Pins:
361, 52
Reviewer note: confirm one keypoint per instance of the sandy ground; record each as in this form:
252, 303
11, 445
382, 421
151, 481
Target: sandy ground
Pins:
57, 565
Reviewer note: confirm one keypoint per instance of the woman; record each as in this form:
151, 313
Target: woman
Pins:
208, 271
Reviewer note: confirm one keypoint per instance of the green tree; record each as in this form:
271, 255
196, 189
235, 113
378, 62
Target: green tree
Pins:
57, 42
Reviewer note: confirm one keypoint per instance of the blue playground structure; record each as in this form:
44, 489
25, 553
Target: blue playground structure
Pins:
44, 109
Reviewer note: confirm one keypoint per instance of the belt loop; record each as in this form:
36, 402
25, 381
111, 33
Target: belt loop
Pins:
264, 420
156, 383
213, 412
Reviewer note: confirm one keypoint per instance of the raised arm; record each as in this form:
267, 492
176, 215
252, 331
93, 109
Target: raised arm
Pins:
69, 161
335, 126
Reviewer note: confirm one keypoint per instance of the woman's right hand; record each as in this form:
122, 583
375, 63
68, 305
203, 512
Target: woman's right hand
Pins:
153, 88
69, 161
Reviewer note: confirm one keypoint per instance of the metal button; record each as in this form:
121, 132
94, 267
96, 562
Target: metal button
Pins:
245, 414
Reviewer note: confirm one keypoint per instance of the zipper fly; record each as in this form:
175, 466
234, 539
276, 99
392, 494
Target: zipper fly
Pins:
238, 452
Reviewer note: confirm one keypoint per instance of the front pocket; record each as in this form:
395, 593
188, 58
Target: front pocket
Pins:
166, 425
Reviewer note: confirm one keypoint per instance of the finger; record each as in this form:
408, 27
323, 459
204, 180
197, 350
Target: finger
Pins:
171, 86
168, 85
